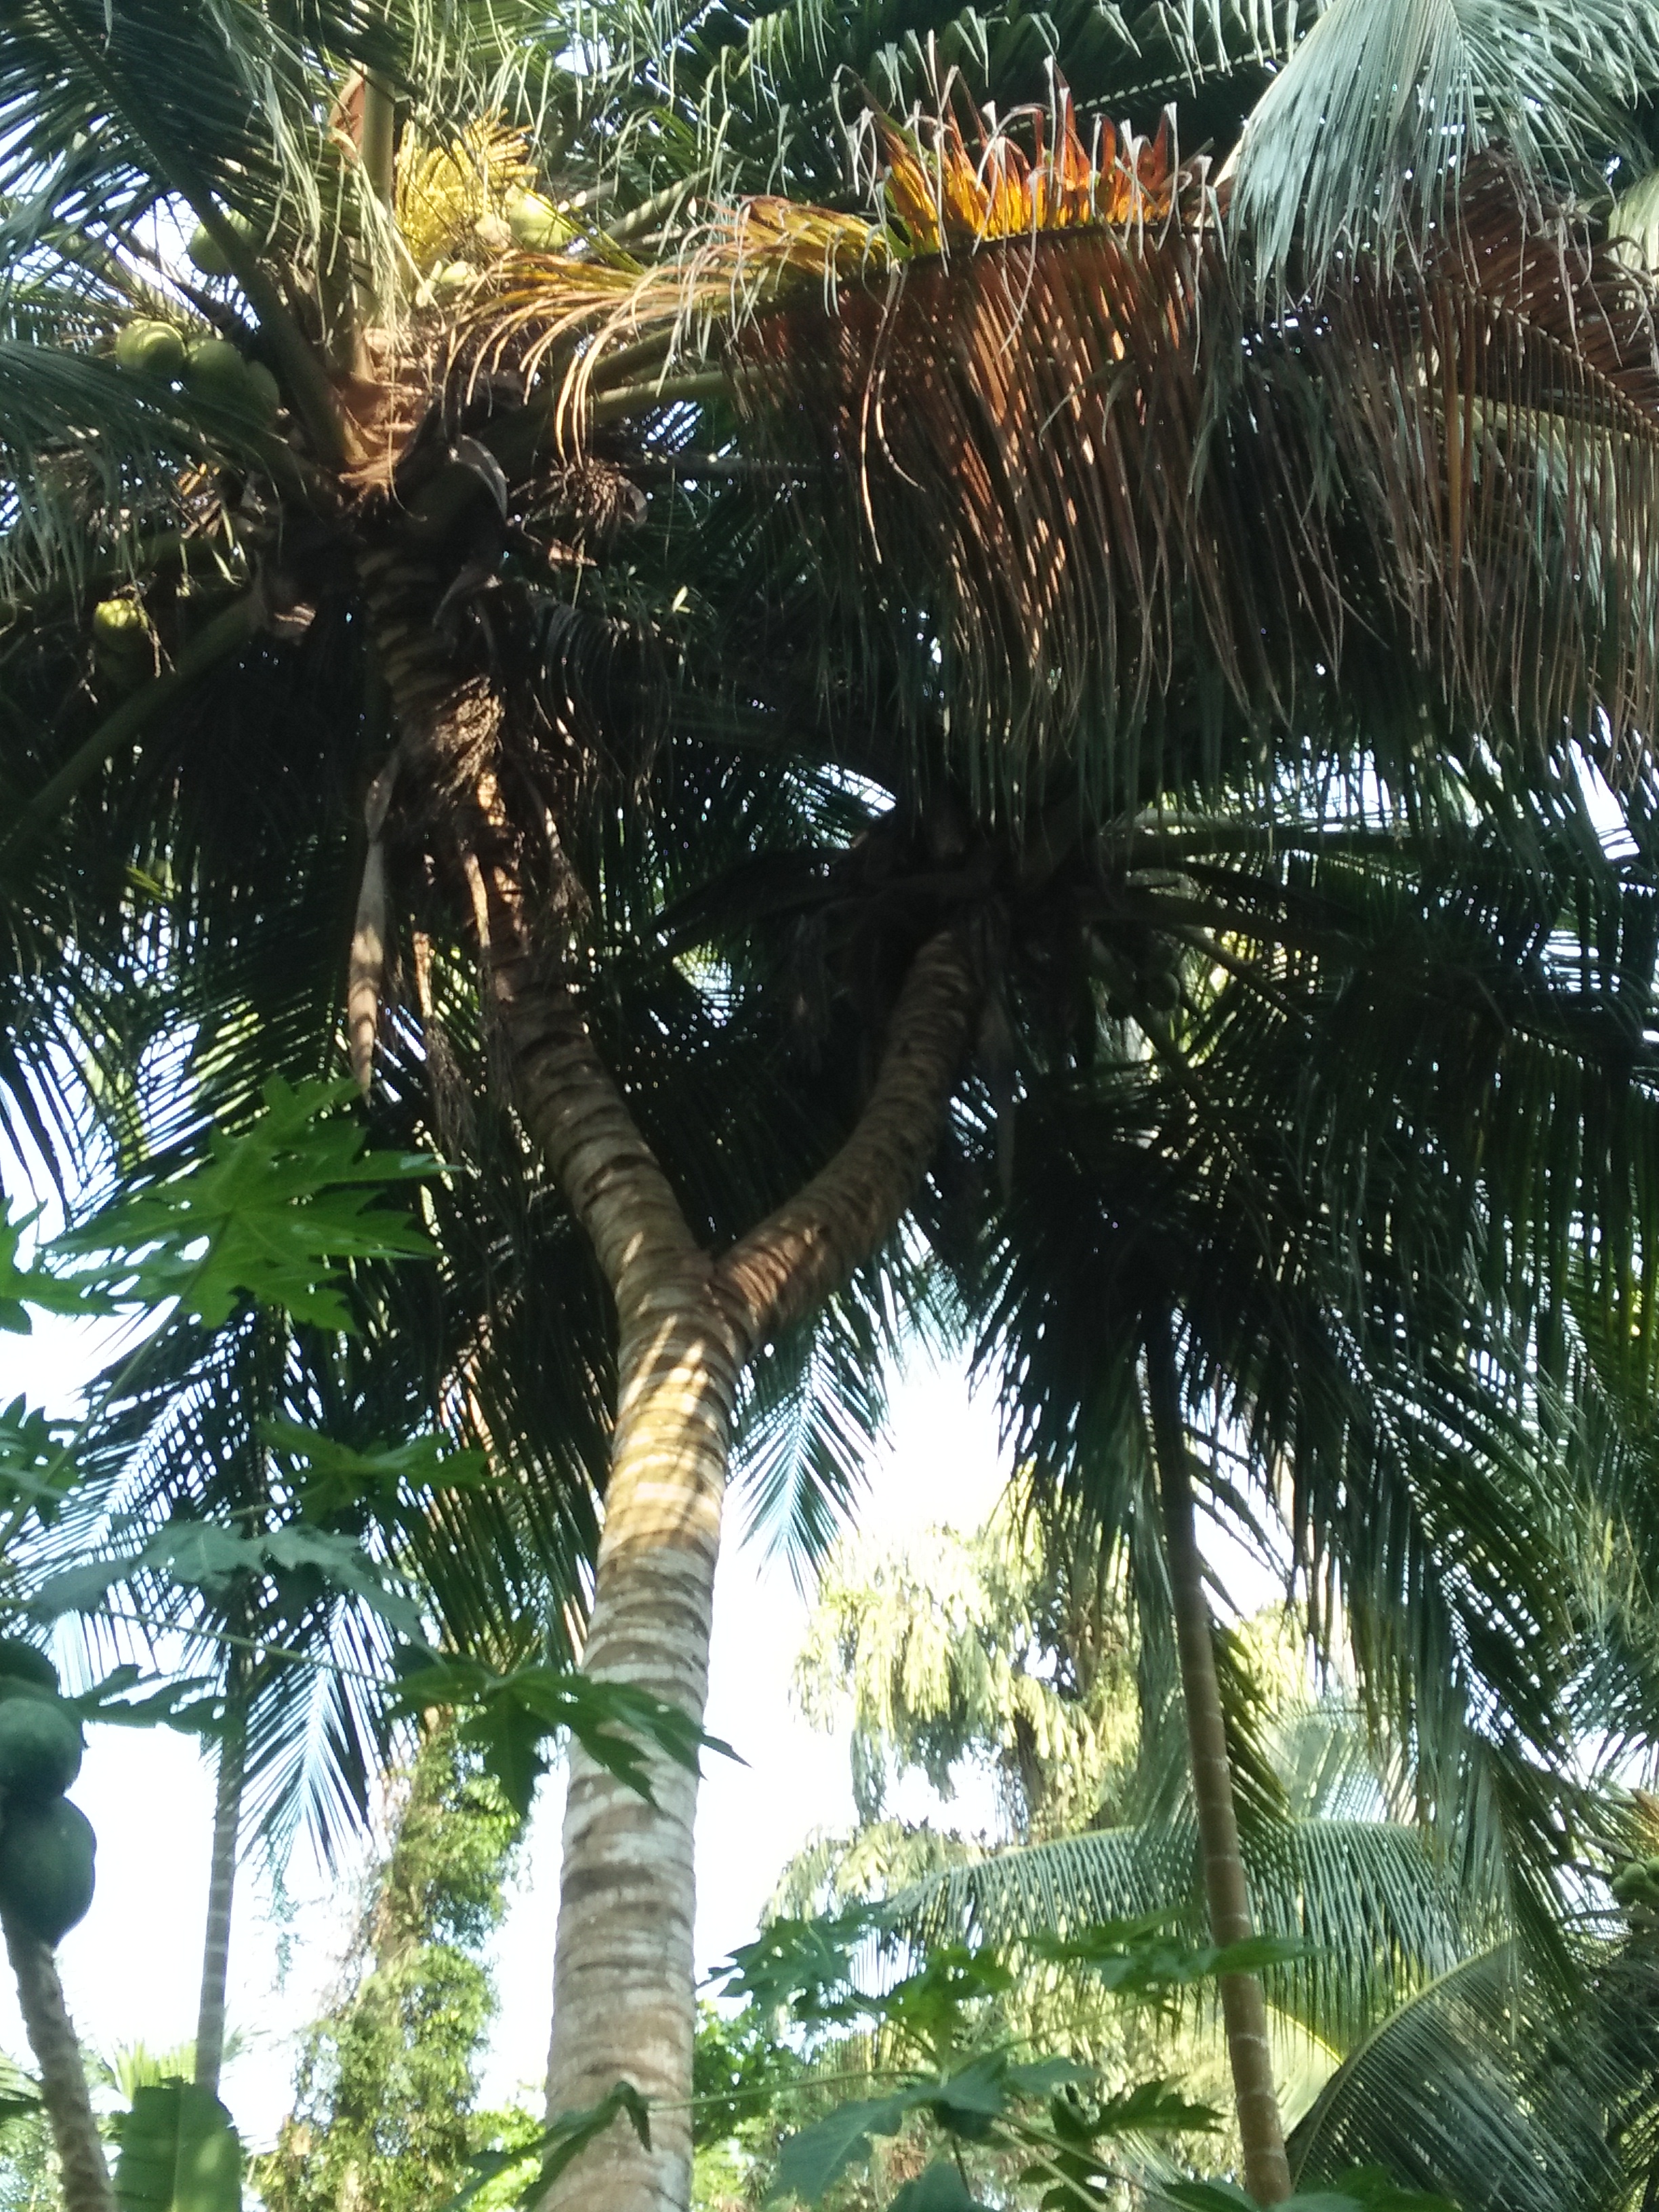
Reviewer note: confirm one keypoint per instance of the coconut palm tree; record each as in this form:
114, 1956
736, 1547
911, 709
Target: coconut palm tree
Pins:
484, 610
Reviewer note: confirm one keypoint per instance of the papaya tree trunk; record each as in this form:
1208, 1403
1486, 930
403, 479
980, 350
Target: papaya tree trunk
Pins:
222, 1889
81, 2171
1243, 2003
623, 1998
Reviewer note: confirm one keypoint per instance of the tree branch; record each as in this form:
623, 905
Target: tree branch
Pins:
799, 1256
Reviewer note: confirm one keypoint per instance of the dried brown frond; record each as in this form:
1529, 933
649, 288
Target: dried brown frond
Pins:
1080, 463
1064, 442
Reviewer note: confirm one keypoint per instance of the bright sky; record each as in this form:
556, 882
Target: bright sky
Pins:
130, 1969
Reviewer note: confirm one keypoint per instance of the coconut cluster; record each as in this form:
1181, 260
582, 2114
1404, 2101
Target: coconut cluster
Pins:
209, 369
47, 1847
1636, 1885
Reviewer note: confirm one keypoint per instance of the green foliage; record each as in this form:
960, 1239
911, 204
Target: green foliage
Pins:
1045, 2121
179, 2153
1008, 1647
738, 2067
273, 1213
508, 1718
387, 2081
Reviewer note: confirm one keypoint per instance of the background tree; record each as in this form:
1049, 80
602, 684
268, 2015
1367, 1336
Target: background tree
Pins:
388, 2080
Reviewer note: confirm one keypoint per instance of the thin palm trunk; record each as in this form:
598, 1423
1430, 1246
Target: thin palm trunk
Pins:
222, 1888
1244, 2003
83, 2175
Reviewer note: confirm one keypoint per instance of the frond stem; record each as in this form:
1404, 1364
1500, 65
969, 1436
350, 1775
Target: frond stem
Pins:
228, 630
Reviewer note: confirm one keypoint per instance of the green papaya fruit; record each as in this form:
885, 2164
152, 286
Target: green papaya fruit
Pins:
150, 348
215, 370
204, 250
47, 1866
27, 1662
40, 1747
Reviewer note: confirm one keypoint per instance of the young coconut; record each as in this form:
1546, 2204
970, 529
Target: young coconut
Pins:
204, 251
535, 223
145, 347
120, 647
214, 370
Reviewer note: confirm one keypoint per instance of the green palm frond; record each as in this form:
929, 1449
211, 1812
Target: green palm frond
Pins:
1484, 2086
1377, 119
1378, 1915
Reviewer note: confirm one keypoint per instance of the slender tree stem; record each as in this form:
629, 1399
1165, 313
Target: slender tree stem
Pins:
221, 1886
1244, 2003
84, 2176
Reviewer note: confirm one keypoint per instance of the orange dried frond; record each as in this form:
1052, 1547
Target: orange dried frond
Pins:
940, 195
444, 193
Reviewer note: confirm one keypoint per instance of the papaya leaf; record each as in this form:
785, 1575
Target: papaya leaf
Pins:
568, 2137
511, 1717
179, 2153
190, 1705
272, 1215
978, 2091
940, 2188
810, 2162
797, 1965
37, 1466
201, 1555
1134, 1958
23, 1287
336, 1478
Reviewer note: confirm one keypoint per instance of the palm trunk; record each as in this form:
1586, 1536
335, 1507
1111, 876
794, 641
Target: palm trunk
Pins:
1244, 2003
623, 1979
221, 1887
82, 2173
623, 1998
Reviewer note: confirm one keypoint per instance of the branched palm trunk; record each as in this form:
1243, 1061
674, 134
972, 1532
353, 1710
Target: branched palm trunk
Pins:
623, 2006
688, 1322
82, 2170
1244, 2003
222, 1889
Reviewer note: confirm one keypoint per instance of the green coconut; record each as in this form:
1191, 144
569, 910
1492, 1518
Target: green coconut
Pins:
204, 250
116, 622
20, 1662
40, 1747
147, 347
448, 283
48, 1865
263, 393
536, 222
215, 370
